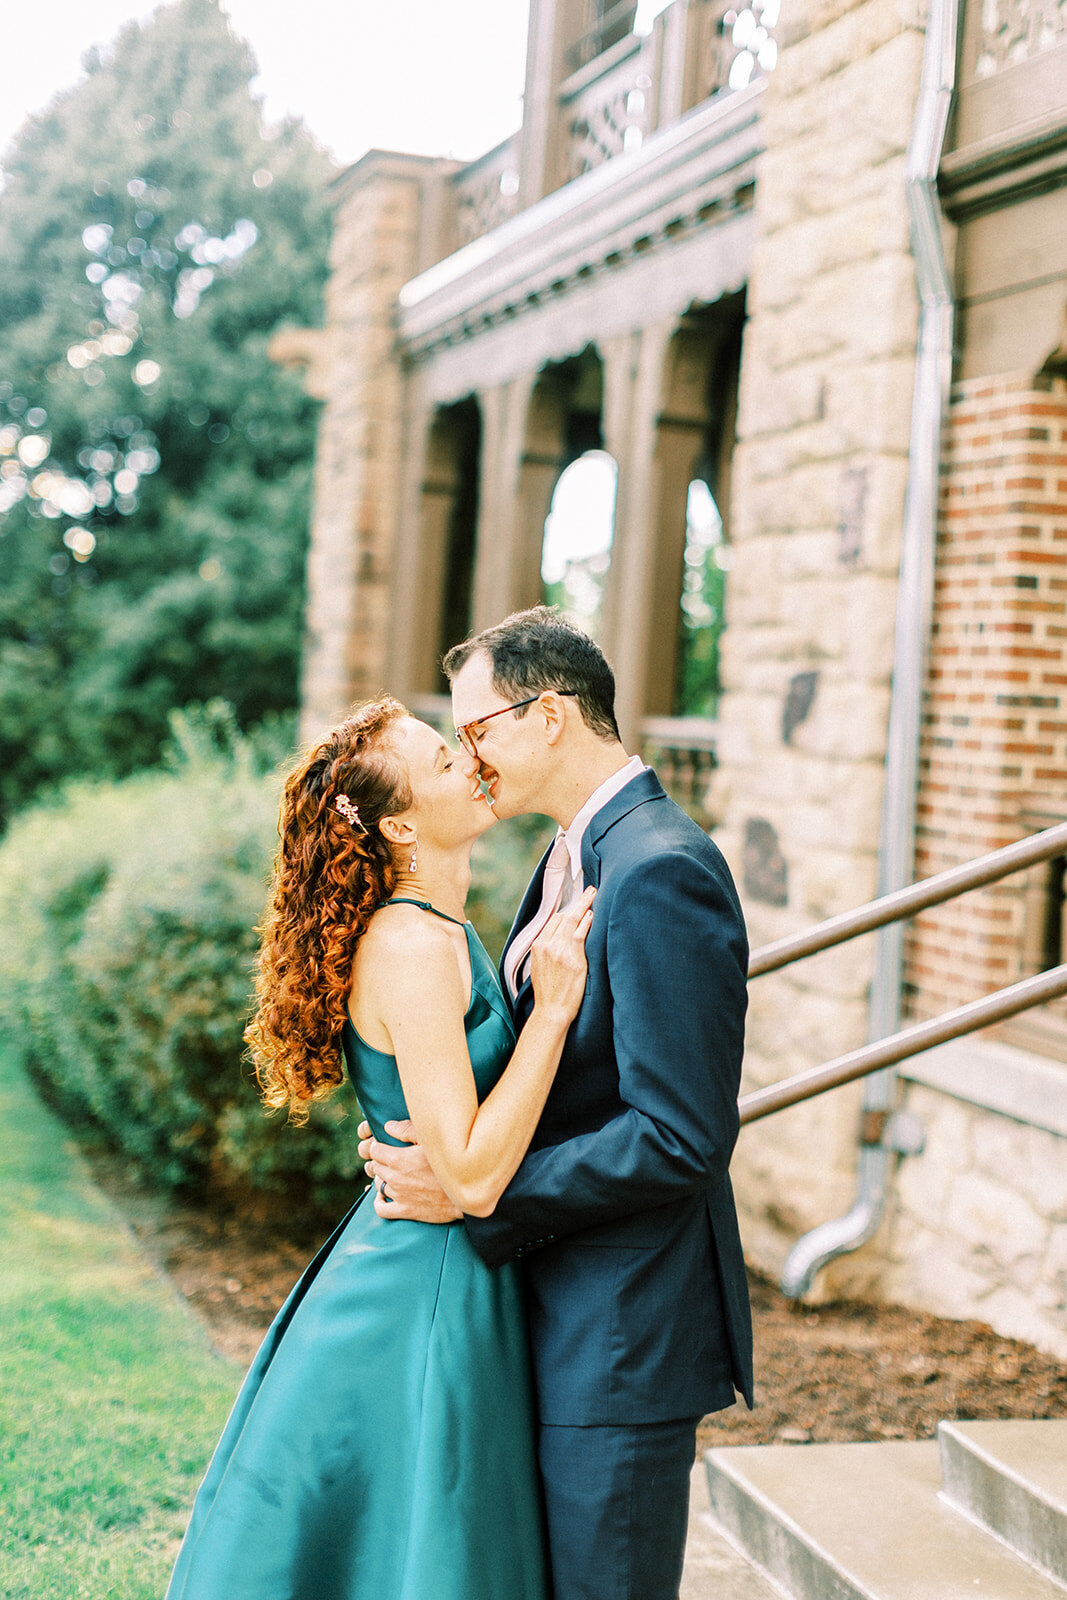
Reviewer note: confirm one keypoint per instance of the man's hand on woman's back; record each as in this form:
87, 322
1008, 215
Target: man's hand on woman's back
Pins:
404, 1180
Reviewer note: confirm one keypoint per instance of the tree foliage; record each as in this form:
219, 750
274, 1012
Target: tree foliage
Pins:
154, 464
698, 683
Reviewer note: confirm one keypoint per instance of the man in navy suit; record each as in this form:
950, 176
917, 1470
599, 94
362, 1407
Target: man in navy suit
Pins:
622, 1209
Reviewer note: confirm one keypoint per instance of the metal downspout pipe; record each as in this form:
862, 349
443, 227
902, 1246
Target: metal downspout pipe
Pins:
896, 855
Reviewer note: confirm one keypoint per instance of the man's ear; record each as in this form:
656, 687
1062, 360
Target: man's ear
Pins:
553, 708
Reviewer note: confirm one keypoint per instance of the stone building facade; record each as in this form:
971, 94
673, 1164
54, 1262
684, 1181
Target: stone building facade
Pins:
696, 255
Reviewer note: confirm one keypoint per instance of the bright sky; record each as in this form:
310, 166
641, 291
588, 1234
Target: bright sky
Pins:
441, 77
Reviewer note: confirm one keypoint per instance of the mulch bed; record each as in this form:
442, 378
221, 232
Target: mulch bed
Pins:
841, 1371
847, 1370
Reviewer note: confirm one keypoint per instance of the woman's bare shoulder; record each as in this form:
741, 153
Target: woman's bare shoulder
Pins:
403, 933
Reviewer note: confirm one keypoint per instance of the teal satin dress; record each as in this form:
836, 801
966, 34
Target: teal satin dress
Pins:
382, 1446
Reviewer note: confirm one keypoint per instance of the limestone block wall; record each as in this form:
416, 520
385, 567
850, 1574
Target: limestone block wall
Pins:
977, 1225
817, 503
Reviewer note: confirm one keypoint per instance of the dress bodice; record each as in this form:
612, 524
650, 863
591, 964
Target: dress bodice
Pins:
490, 1041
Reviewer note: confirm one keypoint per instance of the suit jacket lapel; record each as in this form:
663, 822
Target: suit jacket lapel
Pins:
646, 786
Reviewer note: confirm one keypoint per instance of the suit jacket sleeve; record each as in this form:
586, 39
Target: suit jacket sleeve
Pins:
677, 964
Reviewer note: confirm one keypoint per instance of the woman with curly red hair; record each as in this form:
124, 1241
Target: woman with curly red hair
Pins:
396, 1330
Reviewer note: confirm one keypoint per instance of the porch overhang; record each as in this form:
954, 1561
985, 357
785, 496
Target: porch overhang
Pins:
693, 176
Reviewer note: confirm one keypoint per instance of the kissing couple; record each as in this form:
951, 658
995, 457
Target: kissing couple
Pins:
487, 1384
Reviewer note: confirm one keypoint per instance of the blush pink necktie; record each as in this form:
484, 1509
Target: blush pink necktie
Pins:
556, 888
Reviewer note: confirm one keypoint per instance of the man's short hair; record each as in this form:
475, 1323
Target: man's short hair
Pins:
534, 650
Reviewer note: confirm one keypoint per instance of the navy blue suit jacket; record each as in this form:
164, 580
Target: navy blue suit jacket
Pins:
622, 1208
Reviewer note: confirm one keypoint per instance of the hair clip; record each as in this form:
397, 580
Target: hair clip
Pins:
349, 811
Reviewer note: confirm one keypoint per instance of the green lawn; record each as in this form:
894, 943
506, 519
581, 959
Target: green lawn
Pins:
110, 1395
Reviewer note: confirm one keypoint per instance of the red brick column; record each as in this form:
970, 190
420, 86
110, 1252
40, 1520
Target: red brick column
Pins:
995, 725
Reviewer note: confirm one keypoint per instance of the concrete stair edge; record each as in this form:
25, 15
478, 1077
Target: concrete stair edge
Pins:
863, 1521
808, 1567
1001, 1500
715, 1566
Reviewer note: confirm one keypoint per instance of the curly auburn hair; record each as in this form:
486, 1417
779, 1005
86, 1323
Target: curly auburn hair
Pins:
329, 877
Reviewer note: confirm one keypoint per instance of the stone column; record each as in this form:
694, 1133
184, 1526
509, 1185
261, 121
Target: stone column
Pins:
817, 503
538, 476
542, 462
359, 457
501, 573
417, 569
554, 26
634, 366
678, 447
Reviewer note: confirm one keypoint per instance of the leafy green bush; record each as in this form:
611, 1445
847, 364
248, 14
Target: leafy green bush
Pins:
127, 938
128, 914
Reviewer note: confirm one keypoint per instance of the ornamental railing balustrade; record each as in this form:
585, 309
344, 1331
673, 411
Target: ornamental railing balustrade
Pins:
487, 191
607, 105
614, 96
682, 750
746, 45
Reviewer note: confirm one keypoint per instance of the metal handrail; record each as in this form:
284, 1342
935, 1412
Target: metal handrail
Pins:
908, 1042
906, 902
911, 1041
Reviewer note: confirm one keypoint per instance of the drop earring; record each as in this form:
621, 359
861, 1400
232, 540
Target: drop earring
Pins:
413, 865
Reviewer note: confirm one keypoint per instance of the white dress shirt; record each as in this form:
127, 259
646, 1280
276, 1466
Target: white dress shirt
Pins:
563, 877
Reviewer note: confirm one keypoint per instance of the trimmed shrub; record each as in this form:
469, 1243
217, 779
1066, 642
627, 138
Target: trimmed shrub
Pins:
128, 916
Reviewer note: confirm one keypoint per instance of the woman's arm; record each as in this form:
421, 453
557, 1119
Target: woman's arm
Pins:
474, 1149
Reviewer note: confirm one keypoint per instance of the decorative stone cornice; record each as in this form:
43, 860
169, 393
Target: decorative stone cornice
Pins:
377, 164
1003, 168
688, 175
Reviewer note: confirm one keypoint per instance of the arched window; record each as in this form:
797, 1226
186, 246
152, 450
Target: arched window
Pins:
579, 529
707, 559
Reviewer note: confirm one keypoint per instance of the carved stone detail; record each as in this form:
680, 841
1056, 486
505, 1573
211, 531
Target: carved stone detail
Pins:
798, 702
850, 520
1014, 30
765, 872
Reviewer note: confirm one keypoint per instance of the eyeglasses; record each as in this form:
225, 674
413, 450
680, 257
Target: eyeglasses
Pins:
471, 732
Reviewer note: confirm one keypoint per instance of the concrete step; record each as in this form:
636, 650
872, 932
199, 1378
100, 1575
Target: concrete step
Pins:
1011, 1477
714, 1570
860, 1522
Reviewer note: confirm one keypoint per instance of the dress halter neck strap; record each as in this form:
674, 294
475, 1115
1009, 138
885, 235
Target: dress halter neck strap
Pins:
424, 905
